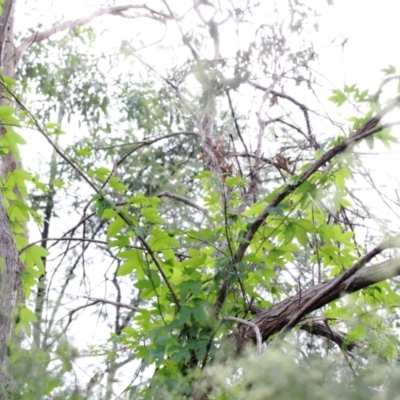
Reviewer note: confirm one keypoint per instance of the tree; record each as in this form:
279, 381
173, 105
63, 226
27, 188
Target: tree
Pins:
202, 181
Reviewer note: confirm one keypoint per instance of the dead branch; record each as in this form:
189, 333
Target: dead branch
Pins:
302, 107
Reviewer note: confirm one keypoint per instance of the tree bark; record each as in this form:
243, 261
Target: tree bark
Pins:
272, 320
9, 279
10, 282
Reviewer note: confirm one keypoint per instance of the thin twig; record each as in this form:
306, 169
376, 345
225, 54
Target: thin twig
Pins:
183, 200
82, 239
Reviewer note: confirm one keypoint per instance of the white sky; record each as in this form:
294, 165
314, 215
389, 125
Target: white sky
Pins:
371, 27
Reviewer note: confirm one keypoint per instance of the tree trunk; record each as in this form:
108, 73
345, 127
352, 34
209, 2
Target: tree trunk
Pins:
10, 282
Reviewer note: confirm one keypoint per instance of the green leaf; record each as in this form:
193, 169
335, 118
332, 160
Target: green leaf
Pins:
358, 333
255, 209
389, 70
386, 138
15, 137
122, 241
9, 81
199, 314
126, 268
26, 318
155, 279
102, 206
115, 226
185, 314
190, 286
338, 97
101, 173
152, 215
278, 210
289, 233
85, 151
6, 110
307, 225
370, 142
134, 261
117, 185
33, 257
232, 181
197, 259
301, 236
58, 184
160, 240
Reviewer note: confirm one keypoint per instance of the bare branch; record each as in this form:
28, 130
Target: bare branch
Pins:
76, 239
117, 10
269, 161
183, 200
115, 303
302, 107
151, 141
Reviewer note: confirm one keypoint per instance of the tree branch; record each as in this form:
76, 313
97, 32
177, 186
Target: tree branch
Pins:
114, 303
302, 107
62, 26
76, 239
393, 242
149, 142
320, 327
272, 320
183, 200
